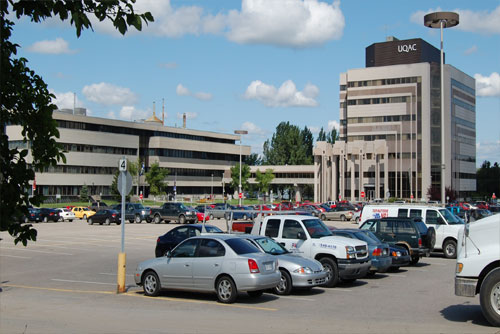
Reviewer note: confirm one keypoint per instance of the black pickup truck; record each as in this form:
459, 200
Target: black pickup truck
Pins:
135, 212
173, 212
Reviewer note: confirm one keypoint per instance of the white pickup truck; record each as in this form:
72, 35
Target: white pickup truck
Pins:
478, 265
343, 258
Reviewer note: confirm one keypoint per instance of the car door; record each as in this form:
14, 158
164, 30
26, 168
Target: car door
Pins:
433, 219
207, 264
289, 237
177, 269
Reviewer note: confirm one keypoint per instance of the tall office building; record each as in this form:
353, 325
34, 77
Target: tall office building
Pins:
390, 127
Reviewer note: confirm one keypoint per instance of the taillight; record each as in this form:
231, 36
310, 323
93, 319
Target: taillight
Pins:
51, 214
252, 265
419, 242
113, 215
377, 252
158, 240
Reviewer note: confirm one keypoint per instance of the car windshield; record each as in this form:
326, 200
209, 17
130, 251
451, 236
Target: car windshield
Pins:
213, 229
270, 246
316, 228
182, 206
240, 246
450, 218
367, 236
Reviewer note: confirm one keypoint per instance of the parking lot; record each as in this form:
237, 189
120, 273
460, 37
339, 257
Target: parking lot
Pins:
66, 282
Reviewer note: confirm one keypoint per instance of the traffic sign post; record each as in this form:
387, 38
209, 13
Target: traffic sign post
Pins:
124, 187
240, 195
362, 194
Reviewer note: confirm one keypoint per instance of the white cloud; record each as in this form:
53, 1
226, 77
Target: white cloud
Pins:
130, 113
482, 22
285, 96
183, 91
253, 129
109, 94
488, 86
291, 23
57, 46
333, 125
487, 151
189, 115
66, 100
471, 50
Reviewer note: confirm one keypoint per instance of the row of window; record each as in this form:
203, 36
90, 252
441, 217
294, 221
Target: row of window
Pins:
381, 82
290, 175
463, 87
375, 100
65, 169
137, 132
464, 96
98, 149
465, 140
405, 136
467, 176
465, 123
466, 158
172, 153
195, 172
380, 119
464, 105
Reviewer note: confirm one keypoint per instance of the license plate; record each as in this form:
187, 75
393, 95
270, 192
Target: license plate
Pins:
269, 267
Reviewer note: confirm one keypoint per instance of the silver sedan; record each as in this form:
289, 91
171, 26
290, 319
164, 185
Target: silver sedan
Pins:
296, 271
224, 264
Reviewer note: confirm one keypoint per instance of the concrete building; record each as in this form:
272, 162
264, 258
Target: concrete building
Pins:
196, 159
390, 131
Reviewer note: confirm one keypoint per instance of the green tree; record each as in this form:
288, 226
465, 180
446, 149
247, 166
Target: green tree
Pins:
235, 176
321, 135
264, 180
488, 180
155, 177
134, 168
286, 147
332, 136
308, 142
25, 101
253, 160
84, 193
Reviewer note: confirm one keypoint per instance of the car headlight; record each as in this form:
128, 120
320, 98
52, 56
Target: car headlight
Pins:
303, 270
351, 253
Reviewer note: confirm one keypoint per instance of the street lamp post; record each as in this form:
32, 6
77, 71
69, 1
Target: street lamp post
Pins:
240, 132
442, 20
212, 188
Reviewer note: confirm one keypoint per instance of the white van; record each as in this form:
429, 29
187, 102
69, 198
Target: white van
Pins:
444, 222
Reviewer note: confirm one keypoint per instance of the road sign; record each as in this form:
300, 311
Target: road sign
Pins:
363, 194
240, 195
140, 196
494, 196
411, 196
122, 166
124, 183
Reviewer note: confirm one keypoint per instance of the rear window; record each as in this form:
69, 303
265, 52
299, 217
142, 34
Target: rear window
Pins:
138, 206
240, 246
421, 227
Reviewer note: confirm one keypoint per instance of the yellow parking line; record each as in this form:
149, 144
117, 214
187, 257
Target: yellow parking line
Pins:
136, 294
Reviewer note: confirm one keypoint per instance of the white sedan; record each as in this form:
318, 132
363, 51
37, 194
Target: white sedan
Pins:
66, 214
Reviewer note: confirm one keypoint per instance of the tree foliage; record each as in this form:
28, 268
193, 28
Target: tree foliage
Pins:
235, 176
330, 137
84, 193
155, 177
25, 101
289, 146
264, 180
253, 160
488, 179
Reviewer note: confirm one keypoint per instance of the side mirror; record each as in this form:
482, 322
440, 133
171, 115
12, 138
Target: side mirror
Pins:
169, 254
301, 236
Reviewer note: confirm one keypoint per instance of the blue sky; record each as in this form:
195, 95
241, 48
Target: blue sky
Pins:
252, 64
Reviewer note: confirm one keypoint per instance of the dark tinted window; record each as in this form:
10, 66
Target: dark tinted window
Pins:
291, 228
421, 227
431, 217
186, 249
415, 213
404, 227
403, 213
272, 228
368, 225
211, 248
213, 229
138, 206
240, 246
386, 226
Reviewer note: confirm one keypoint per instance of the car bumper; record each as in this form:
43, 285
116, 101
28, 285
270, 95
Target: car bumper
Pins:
401, 261
308, 280
352, 269
420, 252
253, 282
465, 287
381, 263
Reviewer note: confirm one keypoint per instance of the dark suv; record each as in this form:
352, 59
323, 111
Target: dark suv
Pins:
135, 212
410, 233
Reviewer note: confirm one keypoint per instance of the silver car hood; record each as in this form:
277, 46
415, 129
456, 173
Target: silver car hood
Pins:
292, 262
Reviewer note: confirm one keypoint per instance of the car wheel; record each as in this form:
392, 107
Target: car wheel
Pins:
211, 217
90, 221
131, 221
45, 219
226, 290
255, 294
285, 285
431, 238
84, 217
342, 218
70, 220
450, 249
151, 284
138, 219
157, 219
414, 260
182, 219
490, 297
330, 266
107, 221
